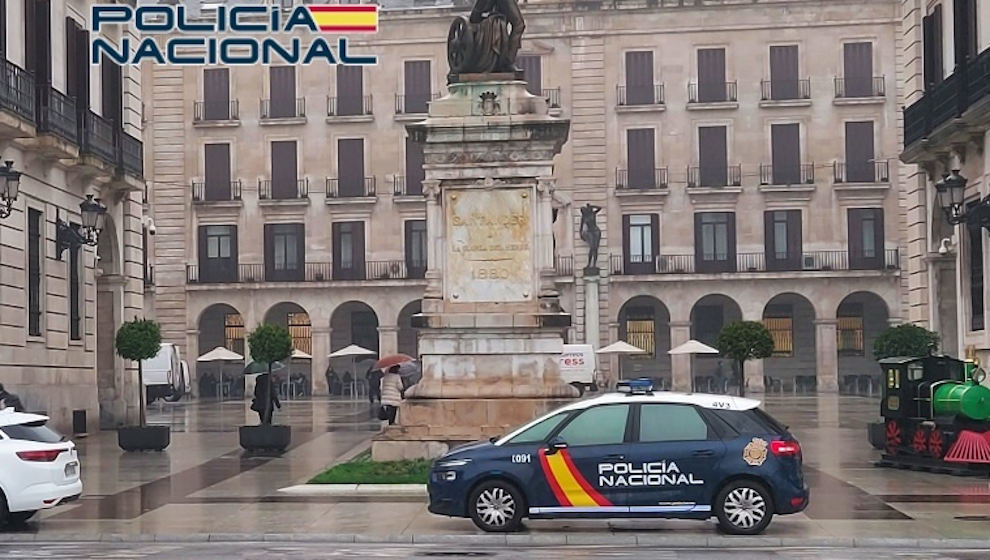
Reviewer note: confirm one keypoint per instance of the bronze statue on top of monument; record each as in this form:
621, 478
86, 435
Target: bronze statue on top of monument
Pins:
487, 41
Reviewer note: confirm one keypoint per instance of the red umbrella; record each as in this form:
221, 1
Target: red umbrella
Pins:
392, 360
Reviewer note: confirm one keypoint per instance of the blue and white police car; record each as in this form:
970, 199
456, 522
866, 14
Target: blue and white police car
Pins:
636, 453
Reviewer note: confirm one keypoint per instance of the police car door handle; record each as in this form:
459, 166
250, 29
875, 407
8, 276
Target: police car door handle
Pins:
703, 453
615, 457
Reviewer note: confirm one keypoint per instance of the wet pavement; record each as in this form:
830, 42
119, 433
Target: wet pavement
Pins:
204, 483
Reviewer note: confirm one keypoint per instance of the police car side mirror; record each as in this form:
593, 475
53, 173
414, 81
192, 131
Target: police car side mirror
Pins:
555, 445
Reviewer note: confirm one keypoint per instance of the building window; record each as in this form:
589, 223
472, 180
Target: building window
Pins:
976, 310
707, 322
416, 248
640, 88
866, 240
779, 320
785, 153
861, 165
932, 45
75, 299
285, 173
285, 251
784, 72
364, 329
350, 90
218, 253
532, 66
965, 23
217, 172
216, 94
849, 330
715, 241
711, 76
641, 331
414, 168
35, 251
350, 167
283, 92
641, 240
782, 236
301, 331
418, 88
857, 62
233, 332
348, 250
641, 155
713, 156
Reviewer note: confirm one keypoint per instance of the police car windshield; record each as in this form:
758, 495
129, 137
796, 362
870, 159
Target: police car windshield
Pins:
539, 431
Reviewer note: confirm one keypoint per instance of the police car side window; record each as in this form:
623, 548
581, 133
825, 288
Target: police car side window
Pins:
601, 425
671, 422
538, 433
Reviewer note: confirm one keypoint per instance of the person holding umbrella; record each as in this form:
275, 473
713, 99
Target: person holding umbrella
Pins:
393, 388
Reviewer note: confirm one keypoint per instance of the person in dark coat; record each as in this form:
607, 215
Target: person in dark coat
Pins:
262, 389
374, 377
10, 400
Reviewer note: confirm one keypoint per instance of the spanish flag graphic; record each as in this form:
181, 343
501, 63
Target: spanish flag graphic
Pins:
568, 485
345, 18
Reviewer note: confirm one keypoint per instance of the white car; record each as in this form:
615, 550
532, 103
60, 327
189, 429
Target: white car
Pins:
39, 469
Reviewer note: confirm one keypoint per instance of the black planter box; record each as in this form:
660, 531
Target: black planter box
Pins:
876, 433
266, 438
146, 438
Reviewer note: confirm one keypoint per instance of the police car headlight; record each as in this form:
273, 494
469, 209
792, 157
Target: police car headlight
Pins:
448, 476
452, 463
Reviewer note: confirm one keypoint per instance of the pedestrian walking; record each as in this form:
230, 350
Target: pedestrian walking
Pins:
392, 394
262, 389
374, 378
10, 400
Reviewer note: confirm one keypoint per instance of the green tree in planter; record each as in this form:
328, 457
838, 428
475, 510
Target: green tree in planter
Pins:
905, 340
742, 341
269, 344
137, 340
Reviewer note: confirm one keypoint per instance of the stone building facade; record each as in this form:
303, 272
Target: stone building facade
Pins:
72, 129
743, 157
946, 52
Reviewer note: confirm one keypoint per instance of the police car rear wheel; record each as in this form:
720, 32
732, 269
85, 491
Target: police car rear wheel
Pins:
496, 506
743, 508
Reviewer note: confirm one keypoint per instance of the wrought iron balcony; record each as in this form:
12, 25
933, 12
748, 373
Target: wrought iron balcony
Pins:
56, 114
786, 90
349, 106
552, 95
948, 100
268, 191
131, 154
412, 104
564, 265
781, 174
202, 194
402, 187
730, 175
17, 91
283, 108
99, 137
712, 92
309, 272
639, 95
860, 87
213, 111
807, 261
364, 188
645, 181
877, 172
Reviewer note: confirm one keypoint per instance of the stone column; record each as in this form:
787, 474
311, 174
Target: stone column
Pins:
592, 330
826, 348
681, 375
753, 376
544, 238
321, 359
388, 339
435, 245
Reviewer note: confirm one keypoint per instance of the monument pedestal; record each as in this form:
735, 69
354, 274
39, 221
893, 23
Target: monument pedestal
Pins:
491, 327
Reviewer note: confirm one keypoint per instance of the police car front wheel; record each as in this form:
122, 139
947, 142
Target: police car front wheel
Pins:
496, 506
744, 507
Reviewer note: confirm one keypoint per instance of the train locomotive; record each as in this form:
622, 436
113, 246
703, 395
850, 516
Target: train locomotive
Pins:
936, 416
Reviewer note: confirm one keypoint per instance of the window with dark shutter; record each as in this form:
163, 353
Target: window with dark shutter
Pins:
350, 167
932, 45
860, 165
639, 78
350, 90
532, 67
3, 29
713, 156
965, 29
866, 239
35, 251
112, 95
75, 299
711, 75
283, 92
715, 241
782, 239
784, 72
285, 252
977, 313
216, 94
217, 170
641, 154
417, 86
414, 167
858, 69
348, 250
785, 141
971, 18
38, 40
284, 171
640, 242
217, 253
416, 248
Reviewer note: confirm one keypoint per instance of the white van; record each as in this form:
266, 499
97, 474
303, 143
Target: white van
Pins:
166, 376
577, 367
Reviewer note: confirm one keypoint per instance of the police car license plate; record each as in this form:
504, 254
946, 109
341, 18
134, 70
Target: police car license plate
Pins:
71, 470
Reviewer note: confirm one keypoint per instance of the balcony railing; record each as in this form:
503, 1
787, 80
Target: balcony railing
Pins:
412, 104
800, 174
201, 194
17, 90
99, 137
968, 85
712, 92
207, 111
784, 90
349, 106
564, 265
552, 95
131, 154
367, 187
657, 181
400, 187
808, 261
56, 114
311, 272
639, 95
283, 108
267, 191
730, 175
861, 172
859, 87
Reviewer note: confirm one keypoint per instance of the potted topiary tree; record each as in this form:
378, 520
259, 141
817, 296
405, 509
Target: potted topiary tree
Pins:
268, 344
137, 340
742, 341
905, 340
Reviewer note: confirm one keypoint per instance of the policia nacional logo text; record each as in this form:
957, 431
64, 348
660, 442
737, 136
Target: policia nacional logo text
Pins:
657, 473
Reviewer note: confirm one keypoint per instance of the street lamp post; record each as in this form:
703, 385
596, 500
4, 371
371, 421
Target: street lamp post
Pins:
88, 233
951, 190
10, 183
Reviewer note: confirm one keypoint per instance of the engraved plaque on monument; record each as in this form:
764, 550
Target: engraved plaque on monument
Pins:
490, 234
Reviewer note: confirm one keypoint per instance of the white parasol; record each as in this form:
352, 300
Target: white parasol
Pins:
353, 352
220, 354
298, 354
621, 347
693, 347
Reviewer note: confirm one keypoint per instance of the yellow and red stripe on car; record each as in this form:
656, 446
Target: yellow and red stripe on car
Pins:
567, 483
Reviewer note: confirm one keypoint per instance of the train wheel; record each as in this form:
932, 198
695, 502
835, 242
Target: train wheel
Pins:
920, 441
893, 437
936, 444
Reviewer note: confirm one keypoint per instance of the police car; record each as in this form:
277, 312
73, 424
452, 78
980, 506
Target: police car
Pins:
635, 453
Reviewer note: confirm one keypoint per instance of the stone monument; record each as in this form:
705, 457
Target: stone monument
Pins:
490, 331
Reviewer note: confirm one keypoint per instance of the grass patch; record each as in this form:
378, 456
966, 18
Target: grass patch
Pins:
362, 470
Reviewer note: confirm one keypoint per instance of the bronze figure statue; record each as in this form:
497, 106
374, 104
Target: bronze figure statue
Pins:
591, 233
487, 41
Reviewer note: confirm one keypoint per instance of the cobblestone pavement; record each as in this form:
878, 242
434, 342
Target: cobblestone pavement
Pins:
205, 484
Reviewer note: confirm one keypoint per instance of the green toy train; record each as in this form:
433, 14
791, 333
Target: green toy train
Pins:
936, 416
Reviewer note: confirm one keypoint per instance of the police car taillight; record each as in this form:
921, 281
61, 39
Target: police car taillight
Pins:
641, 386
784, 448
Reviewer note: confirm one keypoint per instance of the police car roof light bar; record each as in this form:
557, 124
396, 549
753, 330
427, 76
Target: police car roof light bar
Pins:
641, 386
